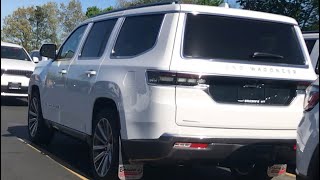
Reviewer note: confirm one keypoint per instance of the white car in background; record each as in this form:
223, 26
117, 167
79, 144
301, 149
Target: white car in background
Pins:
312, 41
16, 69
308, 136
36, 54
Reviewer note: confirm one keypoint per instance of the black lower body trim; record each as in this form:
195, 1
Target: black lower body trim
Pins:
162, 150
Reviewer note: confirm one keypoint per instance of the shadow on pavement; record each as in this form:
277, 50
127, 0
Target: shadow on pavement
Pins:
73, 154
67, 151
11, 101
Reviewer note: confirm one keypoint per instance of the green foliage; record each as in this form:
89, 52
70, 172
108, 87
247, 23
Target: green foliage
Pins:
44, 24
32, 26
128, 3
17, 28
306, 12
94, 10
70, 16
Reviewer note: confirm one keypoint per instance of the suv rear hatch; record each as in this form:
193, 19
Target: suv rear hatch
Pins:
252, 73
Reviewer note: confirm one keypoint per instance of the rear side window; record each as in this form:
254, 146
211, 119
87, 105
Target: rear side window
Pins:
97, 39
310, 44
230, 38
137, 35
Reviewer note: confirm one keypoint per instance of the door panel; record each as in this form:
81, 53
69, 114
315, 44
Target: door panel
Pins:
54, 92
54, 88
78, 87
82, 75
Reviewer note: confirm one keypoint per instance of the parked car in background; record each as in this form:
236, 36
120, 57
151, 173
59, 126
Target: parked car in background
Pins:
312, 42
36, 53
176, 83
308, 136
16, 69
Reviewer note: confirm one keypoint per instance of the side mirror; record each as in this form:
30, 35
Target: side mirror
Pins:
48, 50
35, 59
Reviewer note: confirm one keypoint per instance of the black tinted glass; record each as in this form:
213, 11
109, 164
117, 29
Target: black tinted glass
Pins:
70, 46
217, 37
310, 44
138, 34
15, 53
98, 38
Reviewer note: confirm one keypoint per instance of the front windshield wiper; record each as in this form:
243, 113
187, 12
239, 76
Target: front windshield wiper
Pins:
266, 55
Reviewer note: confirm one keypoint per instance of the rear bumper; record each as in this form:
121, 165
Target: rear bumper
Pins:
223, 151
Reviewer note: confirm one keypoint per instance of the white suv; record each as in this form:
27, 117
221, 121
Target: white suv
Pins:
176, 83
308, 136
16, 69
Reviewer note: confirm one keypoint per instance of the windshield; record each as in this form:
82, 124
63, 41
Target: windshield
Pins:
14, 53
230, 38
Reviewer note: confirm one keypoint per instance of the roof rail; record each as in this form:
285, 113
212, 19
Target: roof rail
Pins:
164, 2
309, 32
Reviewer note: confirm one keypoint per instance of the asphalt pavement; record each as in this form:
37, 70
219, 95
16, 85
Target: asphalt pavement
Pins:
66, 158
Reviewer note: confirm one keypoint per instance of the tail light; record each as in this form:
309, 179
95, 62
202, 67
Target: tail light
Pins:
174, 78
312, 97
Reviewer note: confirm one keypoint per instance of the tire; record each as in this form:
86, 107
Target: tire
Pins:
104, 146
250, 172
38, 131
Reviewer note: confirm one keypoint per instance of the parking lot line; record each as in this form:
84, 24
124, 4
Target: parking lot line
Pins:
39, 151
80, 176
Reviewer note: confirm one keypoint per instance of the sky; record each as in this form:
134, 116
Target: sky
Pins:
8, 6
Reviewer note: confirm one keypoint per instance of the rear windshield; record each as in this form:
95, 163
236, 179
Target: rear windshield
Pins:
229, 38
14, 53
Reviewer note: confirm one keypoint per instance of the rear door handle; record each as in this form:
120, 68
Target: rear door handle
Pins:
91, 73
63, 71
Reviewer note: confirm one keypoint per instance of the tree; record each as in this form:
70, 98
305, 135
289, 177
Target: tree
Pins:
17, 28
70, 16
44, 22
126, 3
31, 26
306, 12
94, 10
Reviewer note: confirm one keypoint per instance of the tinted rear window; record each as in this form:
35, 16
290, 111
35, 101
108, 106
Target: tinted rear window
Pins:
138, 35
98, 38
217, 37
14, 53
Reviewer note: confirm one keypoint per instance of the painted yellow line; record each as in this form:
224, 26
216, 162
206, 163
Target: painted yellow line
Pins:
29, 145
34, 148
290, 175
80, 176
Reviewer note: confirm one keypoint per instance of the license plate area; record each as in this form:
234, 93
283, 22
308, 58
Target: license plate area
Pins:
14, 85
250, 94
252, 91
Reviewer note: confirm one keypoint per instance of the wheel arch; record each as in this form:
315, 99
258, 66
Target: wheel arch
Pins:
104, 102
